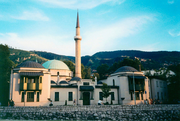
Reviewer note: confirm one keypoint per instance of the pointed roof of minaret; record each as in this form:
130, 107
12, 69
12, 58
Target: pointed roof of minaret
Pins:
77, 24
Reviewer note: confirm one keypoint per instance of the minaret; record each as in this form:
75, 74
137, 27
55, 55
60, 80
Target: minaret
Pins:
77, 39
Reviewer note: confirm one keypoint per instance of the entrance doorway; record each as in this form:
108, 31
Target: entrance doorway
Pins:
86, 98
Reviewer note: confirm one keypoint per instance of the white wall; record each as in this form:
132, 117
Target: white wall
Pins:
63, 95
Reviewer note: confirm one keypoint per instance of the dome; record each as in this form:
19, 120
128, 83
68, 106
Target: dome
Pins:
126, 69
30, 64
53, 82
75, 79
63, 82
99, 82
55, 64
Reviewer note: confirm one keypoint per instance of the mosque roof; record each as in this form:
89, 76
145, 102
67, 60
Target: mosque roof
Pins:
99, 82
30, 64
63, 82
75, 79
55, 64
53, 82
126, 69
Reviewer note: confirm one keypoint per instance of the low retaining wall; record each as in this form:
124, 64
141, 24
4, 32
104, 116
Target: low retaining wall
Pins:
110, 112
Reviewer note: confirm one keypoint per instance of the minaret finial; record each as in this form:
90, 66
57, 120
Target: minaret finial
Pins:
77, 24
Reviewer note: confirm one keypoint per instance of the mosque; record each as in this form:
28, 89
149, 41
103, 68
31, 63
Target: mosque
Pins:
33, 84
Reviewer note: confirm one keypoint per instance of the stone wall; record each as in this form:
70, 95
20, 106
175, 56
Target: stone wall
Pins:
110, 112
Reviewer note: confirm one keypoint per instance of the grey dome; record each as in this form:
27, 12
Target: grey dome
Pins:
99, 82
63, 82
76, 79
30, 64
126, 69
53, 82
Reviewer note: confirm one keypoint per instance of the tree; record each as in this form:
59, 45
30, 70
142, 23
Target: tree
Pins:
5, 69
126, 62
105, 91
71, 65
174, 84
85, 71
102, 70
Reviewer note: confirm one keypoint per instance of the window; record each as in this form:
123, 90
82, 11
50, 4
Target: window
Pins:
37, 99
22, 97
85, 83
158, 95
40, 79
100, 96
26, 79
31, 80
70, 96
137, 95
30, 96
56, 96
131, 95
157, 83
112, 95
58, 73
113, 82
141, 95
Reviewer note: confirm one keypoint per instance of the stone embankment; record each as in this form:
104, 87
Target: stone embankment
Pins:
110, 112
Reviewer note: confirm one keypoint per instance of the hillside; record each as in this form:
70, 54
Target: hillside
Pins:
149, 60
19, 56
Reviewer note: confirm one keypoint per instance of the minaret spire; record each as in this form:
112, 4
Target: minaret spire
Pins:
77, 39
77, 24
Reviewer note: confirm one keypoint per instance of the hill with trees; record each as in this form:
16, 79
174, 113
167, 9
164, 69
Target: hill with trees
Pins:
149, 60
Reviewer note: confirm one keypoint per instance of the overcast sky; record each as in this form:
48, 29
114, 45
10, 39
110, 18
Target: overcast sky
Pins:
106, 25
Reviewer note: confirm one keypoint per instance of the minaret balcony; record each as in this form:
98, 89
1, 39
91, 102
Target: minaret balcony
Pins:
77, 38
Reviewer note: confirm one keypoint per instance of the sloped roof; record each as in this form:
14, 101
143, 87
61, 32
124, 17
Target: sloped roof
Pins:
75, 79
30, 64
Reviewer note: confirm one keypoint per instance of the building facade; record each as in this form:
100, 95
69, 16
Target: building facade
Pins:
133, 85
33, 84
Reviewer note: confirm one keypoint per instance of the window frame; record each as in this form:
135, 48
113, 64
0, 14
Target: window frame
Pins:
56, 96
30, 96
70, 96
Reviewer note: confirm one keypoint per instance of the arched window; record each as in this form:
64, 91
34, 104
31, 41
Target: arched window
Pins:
58, 73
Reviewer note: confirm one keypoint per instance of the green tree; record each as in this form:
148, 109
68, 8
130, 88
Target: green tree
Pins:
174, 84
102, 70
126, 62
71, 65
87, 72
105, 91
95, 75
5, 69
